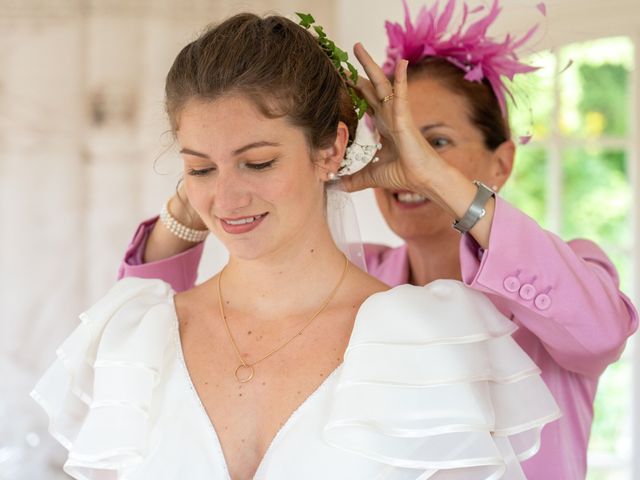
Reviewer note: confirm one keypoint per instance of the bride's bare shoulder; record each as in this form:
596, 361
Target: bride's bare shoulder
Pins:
364, 285
198, 299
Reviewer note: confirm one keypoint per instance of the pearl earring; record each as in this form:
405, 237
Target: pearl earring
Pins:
332, 176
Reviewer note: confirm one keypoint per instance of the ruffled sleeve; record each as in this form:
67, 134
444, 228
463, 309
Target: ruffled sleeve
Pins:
98, 392
434, 386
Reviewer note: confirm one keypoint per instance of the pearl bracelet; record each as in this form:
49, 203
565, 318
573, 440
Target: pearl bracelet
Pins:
179, 230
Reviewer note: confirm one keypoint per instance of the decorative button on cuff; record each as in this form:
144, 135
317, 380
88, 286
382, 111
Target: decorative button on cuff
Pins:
511, 284
542, 301
527, 291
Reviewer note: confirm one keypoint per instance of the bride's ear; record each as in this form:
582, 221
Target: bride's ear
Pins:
330, 158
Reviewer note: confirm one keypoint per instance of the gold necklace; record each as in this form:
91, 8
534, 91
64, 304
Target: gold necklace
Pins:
245, 371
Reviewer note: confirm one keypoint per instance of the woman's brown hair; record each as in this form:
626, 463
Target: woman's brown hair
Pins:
272, 61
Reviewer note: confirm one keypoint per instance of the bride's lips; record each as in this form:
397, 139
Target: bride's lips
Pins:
408, 200
239, 225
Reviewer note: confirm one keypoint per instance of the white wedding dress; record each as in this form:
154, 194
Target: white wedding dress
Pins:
432, 386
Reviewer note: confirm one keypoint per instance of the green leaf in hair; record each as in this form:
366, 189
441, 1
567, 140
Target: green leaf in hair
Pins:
338, 57
306, 19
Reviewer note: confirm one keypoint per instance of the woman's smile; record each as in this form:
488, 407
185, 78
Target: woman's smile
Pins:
409, 200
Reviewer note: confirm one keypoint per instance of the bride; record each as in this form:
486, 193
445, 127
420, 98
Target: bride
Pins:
291, 362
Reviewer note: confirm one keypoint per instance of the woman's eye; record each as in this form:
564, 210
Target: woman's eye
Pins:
439, 142
260, 166
200, 172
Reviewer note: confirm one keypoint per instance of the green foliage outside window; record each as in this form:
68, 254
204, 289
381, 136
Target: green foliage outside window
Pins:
604, 105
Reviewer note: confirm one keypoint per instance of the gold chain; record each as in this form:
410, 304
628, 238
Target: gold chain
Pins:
245, 371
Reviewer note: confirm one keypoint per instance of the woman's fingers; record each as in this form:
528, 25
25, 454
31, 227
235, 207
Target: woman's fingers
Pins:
368, 91
360, 180
385, 173
377, 77
395, 121
401, 110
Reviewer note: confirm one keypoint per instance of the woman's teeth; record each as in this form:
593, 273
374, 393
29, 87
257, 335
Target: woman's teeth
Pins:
408, 197
244, 221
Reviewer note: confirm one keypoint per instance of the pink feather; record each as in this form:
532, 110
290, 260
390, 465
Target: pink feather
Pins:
469, 47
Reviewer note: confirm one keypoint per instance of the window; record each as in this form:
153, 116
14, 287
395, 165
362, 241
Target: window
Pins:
575, 177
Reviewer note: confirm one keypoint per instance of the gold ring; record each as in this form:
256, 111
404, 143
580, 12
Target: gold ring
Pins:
387, 98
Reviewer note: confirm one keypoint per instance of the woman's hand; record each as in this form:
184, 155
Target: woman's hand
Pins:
407, 161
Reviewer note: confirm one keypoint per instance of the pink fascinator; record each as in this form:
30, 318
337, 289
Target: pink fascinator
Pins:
467, 47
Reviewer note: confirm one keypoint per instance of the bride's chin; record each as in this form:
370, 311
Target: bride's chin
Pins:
245, 251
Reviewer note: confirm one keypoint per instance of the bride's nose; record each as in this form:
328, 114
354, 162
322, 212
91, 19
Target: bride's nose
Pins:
231, 192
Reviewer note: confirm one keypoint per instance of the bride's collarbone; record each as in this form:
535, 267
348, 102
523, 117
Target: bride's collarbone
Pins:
283, 380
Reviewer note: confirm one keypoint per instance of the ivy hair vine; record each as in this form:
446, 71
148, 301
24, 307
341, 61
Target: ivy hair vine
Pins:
337, 57
356, 153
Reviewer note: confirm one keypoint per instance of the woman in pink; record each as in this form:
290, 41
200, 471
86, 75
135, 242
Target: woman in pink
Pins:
564, 296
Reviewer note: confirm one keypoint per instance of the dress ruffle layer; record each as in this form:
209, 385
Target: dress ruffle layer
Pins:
432, 386
434, 383
98, 393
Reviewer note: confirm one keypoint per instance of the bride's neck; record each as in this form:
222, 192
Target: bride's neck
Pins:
296, 274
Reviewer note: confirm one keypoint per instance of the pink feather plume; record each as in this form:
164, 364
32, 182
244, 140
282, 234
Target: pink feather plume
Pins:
468, 46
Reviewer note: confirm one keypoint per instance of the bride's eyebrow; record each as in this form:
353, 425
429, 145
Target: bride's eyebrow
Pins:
188, 151
250, 146
263, 143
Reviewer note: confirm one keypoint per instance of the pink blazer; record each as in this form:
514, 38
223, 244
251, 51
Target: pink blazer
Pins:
565, 297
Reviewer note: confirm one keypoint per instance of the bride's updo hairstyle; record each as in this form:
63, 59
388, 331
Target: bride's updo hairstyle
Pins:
272, 61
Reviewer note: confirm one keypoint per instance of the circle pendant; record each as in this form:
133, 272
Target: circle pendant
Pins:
244, 373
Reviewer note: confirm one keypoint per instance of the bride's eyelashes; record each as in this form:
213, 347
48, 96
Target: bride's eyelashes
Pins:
252, 166
260, 166
199, 172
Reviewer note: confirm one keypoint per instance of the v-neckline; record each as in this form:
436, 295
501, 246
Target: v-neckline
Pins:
287, 423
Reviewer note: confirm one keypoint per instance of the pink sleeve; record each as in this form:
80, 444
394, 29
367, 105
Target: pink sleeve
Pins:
567, 294
180, 271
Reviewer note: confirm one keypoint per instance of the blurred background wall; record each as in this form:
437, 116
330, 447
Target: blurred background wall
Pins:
84, 156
